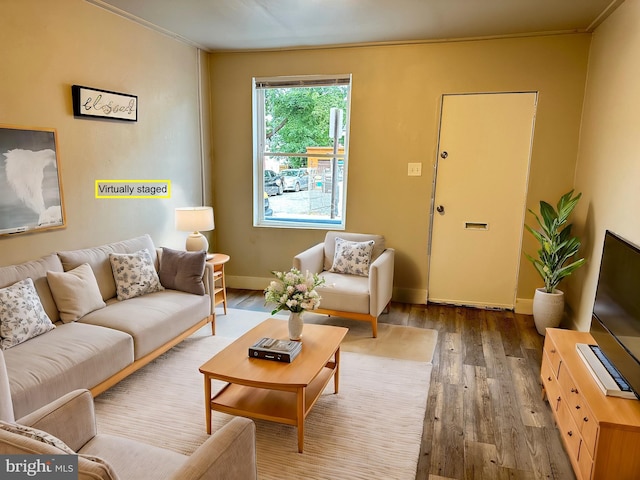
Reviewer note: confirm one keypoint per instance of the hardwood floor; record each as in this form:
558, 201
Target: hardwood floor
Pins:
485, 415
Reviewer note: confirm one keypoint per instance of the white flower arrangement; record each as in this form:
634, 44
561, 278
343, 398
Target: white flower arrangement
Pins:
294, 291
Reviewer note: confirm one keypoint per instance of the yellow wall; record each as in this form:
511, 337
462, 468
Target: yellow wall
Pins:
48, 46
608, 170
394, 120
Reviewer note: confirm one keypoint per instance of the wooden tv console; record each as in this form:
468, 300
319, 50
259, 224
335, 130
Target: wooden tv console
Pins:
601, 434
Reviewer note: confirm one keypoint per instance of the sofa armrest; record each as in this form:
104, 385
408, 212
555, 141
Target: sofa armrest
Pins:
6, 404
312, 259
70, 418
209, 285
381, 281
229, 454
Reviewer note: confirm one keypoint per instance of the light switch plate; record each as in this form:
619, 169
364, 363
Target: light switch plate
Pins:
415, 169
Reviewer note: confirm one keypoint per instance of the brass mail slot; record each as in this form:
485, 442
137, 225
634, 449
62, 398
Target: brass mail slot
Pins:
476, 226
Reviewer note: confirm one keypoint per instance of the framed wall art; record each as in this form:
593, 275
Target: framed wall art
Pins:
93, 102
30, 182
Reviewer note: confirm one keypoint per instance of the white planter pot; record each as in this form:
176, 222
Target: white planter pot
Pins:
548, 309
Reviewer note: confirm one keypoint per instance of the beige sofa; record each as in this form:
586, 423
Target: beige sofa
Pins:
229, 454
102, 347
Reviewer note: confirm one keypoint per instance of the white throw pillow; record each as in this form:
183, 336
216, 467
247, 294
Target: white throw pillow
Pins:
352, 257
22, 315
134, 274
75, 292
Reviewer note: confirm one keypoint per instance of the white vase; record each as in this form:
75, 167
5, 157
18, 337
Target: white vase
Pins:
295, 326
548, 309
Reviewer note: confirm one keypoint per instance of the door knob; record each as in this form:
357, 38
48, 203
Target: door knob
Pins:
444, 155
440, 208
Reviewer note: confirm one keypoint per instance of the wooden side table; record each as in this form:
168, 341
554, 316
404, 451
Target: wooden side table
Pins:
219, 286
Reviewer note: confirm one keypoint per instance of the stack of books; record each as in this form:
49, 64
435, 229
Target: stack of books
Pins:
273, 349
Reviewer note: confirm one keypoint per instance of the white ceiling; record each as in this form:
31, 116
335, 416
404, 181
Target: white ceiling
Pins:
216, 25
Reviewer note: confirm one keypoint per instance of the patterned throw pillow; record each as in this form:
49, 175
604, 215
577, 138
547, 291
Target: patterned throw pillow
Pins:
36, 434
352, 257
22, 315
134, 274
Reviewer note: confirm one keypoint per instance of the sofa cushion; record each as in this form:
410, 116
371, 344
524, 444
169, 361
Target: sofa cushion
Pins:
330, 245
36, 270
125, 455
349, 293
22, 315
98, 258
352, 257
134, 274
36, 434
72, 356
153, 319
75, 292
181, 270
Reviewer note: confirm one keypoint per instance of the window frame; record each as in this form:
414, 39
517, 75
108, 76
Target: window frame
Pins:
259, 85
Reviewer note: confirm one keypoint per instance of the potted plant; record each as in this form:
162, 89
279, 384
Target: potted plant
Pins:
557, 248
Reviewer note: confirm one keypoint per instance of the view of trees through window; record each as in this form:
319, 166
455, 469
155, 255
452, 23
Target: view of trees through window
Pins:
300, 152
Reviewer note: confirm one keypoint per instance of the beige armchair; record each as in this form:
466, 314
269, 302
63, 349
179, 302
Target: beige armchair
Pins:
351, 296
228, 454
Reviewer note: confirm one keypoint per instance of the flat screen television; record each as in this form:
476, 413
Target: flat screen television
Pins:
615, 324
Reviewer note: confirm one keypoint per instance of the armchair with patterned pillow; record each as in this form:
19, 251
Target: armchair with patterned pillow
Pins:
358, 273
67, 426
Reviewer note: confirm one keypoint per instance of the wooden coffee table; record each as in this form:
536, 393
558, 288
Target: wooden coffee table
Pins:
269, 390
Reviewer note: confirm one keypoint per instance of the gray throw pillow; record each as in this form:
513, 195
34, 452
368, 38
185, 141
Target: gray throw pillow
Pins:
181, 270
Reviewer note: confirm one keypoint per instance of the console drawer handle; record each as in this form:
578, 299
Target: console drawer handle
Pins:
570, 433
577, 407
585, 419
574, 390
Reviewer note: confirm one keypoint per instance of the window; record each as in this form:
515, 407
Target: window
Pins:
300, 133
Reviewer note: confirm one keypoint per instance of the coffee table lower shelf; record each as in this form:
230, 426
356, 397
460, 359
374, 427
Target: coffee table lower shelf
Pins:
275, 403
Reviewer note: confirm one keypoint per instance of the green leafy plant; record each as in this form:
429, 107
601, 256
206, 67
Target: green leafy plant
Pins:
557, 246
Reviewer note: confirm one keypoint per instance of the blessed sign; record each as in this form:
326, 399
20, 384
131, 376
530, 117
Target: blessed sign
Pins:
92, 102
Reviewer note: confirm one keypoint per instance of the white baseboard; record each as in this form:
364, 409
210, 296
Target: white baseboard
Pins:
401, 295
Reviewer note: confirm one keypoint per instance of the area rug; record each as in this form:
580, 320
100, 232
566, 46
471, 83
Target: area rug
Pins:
393, 341
371, 429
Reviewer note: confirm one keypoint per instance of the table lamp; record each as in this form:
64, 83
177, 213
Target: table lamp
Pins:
195, 220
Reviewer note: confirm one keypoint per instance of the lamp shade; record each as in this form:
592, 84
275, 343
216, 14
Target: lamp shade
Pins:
194, 219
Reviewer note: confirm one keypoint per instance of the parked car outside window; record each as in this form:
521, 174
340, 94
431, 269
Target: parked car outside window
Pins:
268, 211
273, 183
295, 179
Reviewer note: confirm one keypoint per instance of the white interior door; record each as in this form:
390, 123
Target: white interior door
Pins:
479, 198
